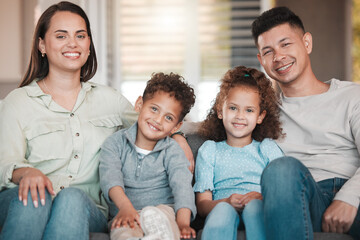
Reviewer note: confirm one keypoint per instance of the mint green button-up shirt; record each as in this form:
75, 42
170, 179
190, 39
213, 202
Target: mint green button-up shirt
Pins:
36, 132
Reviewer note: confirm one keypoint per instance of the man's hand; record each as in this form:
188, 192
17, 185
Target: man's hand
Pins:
338, 217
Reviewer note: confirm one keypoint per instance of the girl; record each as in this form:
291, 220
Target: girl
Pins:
241, 124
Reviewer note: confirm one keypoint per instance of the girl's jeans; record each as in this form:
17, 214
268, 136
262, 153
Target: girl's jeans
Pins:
223, 221
294, 203
71, 215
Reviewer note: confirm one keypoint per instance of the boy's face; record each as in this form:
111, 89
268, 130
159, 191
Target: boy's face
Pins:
283, 52
158, 117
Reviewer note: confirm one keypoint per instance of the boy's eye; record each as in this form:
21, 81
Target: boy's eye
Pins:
249, 110
169, 118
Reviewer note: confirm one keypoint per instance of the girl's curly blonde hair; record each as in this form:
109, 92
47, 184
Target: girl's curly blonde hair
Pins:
213, 128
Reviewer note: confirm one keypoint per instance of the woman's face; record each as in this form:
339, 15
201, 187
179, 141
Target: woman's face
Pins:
66, 43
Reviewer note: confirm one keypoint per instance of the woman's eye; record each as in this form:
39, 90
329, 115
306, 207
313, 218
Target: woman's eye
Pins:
169, 118
60, 36
81, 36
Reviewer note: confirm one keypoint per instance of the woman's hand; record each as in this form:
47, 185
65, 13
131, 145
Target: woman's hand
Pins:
127, 216
34, 180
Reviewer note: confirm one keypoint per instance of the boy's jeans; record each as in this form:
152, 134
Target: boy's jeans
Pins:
71, 215
294, 203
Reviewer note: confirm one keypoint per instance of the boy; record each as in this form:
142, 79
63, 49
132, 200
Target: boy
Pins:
143, 173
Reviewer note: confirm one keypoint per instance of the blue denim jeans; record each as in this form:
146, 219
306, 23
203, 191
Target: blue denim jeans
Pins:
223, 222
71, 215
294, 203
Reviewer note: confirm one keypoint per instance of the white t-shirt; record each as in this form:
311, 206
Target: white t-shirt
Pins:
323, 132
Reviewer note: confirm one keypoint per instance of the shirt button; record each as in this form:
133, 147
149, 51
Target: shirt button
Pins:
76, 156
72, 114
77, 134
62, 187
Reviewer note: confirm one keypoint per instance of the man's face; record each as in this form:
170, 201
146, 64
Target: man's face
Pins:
284, 53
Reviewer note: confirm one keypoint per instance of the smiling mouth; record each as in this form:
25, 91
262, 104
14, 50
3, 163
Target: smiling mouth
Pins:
71, 54
284, 68
239, 125
152, 127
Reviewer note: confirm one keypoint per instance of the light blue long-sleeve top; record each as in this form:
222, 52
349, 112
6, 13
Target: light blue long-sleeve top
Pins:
161, 177
225, 170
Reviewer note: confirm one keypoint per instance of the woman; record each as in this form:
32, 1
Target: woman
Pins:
51, 130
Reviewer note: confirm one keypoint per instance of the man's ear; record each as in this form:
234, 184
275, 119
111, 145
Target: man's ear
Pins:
261, 117
307, 39
259, 58
138, 104
176, 128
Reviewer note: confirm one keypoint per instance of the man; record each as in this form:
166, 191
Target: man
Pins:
318, 187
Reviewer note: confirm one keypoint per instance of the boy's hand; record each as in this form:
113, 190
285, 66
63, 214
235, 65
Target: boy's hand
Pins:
187, 232
127, 216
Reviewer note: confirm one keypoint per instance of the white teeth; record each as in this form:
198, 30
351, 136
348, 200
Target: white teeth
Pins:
71, 54
152, 127
285, 67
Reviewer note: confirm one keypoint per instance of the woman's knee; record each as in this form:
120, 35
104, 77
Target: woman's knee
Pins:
71, 197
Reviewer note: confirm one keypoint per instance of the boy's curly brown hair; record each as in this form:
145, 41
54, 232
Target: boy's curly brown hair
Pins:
173, 84
213, 128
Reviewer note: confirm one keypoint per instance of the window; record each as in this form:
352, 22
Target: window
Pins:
200, 40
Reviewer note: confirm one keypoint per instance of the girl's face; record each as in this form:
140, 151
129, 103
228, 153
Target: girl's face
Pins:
66, 42
240, 114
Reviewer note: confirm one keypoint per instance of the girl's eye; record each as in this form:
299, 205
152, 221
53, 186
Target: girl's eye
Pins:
169, 118
154, 109
232, 108
249, 110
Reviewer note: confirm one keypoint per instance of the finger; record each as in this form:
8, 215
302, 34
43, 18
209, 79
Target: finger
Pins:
49, 187
34, 195
137, 219
131, 223
24, 191
41, 189
193, 233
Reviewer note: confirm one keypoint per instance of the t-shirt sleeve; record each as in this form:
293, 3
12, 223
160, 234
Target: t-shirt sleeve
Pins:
270, 150
204, 168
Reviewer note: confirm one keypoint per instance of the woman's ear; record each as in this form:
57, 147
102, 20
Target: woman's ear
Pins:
41, 46
138, 104
261, 117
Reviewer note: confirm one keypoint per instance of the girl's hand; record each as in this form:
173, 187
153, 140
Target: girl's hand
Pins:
234, 200
127, 216
34, 180
187, 232
246, 198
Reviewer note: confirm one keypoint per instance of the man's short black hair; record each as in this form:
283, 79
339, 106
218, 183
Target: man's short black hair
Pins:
272, 18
